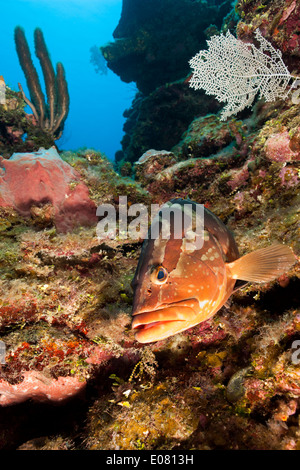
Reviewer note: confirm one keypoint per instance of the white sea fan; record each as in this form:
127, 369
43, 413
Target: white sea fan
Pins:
235, 72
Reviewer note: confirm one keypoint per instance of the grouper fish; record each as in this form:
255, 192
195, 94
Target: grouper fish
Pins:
178, 285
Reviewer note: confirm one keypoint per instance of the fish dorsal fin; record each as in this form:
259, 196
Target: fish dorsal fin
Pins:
263, 265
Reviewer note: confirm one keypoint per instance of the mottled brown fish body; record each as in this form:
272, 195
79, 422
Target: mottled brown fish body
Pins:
176, 287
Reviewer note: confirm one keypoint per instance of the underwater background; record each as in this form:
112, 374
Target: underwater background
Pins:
71, 29
110, 106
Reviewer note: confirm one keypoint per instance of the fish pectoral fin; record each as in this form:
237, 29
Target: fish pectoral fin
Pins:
263, 265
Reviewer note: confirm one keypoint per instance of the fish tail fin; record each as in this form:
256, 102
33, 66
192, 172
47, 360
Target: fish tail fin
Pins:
263, 265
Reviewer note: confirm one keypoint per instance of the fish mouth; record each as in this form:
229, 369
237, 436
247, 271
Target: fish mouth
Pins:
165, 321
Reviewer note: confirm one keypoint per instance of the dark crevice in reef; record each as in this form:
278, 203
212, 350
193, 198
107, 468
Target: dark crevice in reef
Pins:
30, 420
280, 299
275, 300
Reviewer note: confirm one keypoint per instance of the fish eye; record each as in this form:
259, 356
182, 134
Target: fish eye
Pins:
159, 275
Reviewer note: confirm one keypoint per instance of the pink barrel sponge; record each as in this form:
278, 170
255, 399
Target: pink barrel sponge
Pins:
40, 388
42, 177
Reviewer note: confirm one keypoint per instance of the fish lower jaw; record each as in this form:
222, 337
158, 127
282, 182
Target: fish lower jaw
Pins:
156, 325
138, 326
145, 326
158, 330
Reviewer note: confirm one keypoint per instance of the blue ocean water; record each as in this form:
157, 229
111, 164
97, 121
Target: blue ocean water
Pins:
71, 28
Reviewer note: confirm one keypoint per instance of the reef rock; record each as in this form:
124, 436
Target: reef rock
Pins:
19, 131
278, 148
278, 21
159, 119
151, 163
40, 178
154, 40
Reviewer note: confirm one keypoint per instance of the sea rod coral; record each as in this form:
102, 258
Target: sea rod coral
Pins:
51, 116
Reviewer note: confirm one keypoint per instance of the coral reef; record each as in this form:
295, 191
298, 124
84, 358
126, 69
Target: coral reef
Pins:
19, 131
153, 42
152, 47
105, 185
22, 132
278, 21
73, 375
234, 72
228, 383
51, 116
159, 119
